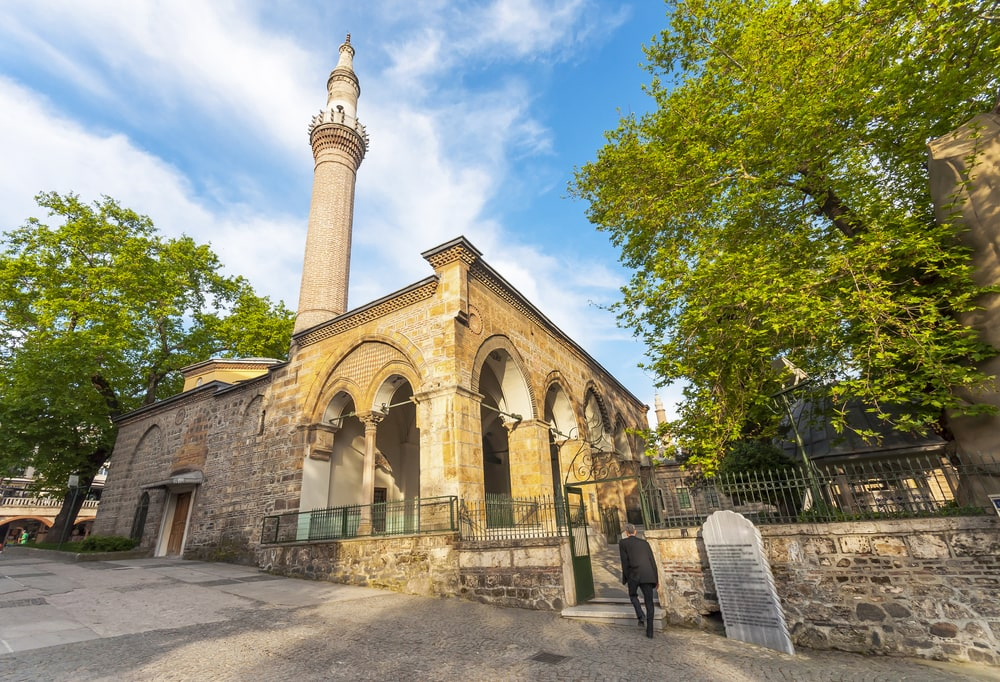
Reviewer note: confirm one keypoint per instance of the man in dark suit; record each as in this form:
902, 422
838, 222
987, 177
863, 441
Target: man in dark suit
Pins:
639, 572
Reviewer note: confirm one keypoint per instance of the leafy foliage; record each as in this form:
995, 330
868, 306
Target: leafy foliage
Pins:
775, 204
97, 316
753, 456
106, 543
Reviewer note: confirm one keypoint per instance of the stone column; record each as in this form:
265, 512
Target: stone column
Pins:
530, 462
371, 422
451, 457
964, 169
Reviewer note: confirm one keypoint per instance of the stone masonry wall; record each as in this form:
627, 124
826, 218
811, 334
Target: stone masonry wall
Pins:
522, 573
914, 587
249, 471
415, 564
517, 573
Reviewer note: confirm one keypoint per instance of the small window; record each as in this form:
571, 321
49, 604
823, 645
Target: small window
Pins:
683, 497
712, 498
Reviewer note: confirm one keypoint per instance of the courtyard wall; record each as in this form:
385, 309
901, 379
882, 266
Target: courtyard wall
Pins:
516, 573
915, 587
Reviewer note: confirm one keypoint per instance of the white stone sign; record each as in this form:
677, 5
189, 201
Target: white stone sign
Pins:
744, 583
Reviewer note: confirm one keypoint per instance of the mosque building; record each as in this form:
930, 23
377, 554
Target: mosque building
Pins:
453, 388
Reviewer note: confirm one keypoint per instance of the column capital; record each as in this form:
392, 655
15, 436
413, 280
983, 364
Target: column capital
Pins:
371, 419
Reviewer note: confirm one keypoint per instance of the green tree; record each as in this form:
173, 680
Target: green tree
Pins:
97, 315
775, 203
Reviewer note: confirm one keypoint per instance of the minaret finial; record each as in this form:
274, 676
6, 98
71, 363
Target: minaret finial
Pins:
348, 38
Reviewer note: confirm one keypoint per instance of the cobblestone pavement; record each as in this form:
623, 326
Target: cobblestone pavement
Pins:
182, 620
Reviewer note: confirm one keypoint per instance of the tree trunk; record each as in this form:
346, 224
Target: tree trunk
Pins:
62, 527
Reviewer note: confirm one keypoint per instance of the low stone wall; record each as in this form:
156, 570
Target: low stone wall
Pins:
915, 587
414, 564
520, 573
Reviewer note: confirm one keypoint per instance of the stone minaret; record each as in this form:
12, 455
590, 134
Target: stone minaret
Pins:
661, 414
339, 143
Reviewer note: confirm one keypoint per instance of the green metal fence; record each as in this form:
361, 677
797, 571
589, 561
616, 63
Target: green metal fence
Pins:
499, 517
914, 486
403, 517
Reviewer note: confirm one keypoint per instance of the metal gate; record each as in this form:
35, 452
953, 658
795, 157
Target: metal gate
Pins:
611, 524
579, 548
592, 467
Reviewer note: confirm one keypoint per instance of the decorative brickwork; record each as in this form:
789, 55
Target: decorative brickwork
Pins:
331, 137
369, 357
379, 309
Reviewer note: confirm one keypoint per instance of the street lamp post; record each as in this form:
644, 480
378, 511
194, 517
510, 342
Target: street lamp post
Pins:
800, 380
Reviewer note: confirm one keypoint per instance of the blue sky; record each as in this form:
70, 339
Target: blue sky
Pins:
195, 113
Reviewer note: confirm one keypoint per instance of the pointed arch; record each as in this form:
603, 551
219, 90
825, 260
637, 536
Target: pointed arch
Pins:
333, 466
397, 439
511, 390
357, 366
598, 424
148, 449
559, 414
558, 411
622, 441
253, 416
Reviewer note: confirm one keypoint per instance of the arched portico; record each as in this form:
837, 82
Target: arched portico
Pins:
495, 421
563, 431
333, 467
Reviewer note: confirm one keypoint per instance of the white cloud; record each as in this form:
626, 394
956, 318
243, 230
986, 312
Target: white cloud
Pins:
447, 143
48, 152
147, 56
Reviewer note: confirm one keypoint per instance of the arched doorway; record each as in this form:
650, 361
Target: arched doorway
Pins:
397, 457
562, 427
506, 401
344, 470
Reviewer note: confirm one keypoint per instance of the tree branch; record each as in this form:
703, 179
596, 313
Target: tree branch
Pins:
108, 393
829, 205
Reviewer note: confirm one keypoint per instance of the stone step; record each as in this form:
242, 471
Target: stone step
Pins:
611, 612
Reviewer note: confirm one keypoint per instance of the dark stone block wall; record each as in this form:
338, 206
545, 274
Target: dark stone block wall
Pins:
249, 471
915, 587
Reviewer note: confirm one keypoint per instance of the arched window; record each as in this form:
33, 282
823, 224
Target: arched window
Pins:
139, 521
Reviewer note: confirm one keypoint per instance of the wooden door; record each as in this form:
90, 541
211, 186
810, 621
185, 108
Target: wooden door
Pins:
177, 524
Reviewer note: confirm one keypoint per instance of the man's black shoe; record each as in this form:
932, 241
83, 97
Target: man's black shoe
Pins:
649, 634
642, 622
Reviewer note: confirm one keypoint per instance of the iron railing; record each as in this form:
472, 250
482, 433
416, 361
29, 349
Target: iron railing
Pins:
499, 517
403, 517
925, 485
42, 502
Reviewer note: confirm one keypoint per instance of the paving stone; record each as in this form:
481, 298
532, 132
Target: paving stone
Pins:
283, 629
